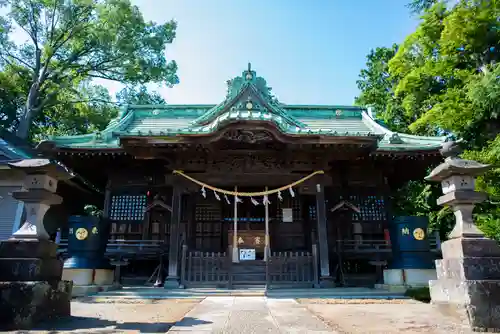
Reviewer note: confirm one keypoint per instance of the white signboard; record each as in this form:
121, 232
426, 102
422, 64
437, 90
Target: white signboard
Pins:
287, 215
247, 254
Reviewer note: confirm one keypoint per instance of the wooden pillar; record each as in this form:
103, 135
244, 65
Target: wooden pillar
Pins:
267, 247
235, 254
325, 280
172, 280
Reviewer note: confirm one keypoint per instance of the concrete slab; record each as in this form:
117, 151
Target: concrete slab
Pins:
249, 315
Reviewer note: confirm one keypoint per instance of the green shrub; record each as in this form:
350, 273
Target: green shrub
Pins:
420, 294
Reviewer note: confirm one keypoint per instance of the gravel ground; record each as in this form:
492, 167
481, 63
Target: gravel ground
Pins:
145, 316
382, 316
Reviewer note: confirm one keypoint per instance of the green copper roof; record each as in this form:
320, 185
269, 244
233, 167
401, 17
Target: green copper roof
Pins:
248, 98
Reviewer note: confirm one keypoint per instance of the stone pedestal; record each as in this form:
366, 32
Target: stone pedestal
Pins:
30, 284
31, 288
468, 276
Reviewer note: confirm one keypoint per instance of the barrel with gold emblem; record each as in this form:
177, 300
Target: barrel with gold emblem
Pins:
87, 239
410, 243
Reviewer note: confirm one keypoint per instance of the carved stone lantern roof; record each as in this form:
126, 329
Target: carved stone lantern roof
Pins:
453, 165
43, 166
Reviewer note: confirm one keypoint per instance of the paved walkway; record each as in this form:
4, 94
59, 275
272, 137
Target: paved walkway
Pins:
245, 315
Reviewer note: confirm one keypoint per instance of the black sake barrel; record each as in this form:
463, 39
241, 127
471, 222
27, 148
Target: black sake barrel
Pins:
410, 243
87, 240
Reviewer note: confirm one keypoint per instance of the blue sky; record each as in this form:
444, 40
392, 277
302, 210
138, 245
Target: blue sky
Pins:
309, 51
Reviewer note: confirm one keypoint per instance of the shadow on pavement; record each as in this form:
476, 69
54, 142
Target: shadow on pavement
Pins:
96, 325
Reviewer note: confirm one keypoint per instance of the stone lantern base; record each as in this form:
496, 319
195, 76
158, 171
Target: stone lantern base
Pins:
468, 282
31, 288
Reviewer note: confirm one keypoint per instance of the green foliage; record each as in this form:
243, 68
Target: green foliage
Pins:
92, 210
73, 41
421, 294
418, 198
376, 86
138, 96
444, 78
12, 97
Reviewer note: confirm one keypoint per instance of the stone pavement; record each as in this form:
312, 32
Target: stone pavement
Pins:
245, 315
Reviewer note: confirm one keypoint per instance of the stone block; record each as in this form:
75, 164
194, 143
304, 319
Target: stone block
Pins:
474, 301
103, 277
14, 248
24, 270
469, 268
79, 276
470, 247
23, 304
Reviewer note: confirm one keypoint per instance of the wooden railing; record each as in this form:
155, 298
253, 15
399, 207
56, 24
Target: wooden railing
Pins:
363, 246
293, 268
130, 248
204, 268
153, 246
376, 246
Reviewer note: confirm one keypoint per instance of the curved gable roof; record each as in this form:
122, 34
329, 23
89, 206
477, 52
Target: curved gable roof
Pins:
248, 98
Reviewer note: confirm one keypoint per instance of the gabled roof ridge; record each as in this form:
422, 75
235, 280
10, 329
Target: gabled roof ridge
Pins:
277, 109
218, 110
134, 107
212, 113
373, 125
321, 106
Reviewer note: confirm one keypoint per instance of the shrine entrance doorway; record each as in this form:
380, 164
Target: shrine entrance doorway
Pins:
250, 230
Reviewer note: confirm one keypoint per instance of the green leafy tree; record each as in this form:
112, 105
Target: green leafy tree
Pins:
138, 96
420, 6
438, 69
73, 114
12, 96
445, 77
377, 88
73, 41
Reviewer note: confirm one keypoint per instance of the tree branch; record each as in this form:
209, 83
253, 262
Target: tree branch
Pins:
8, 54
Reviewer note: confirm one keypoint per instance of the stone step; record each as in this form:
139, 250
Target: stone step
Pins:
139, 293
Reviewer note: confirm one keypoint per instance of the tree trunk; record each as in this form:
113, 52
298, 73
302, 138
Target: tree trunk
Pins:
29, 112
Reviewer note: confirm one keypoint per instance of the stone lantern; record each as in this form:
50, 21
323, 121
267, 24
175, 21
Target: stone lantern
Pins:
468, 276
31, 288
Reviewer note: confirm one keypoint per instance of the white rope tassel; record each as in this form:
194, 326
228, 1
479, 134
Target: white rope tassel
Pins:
216, 195
227, 199
238, 200
279, 196
203, 192
266, 200
292, 193
254, 202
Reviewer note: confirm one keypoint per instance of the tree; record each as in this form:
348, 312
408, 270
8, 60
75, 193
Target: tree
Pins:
376, 87
446, 76
438, 65
138, 96
420, 6
89, 111
72, 41
12, 96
